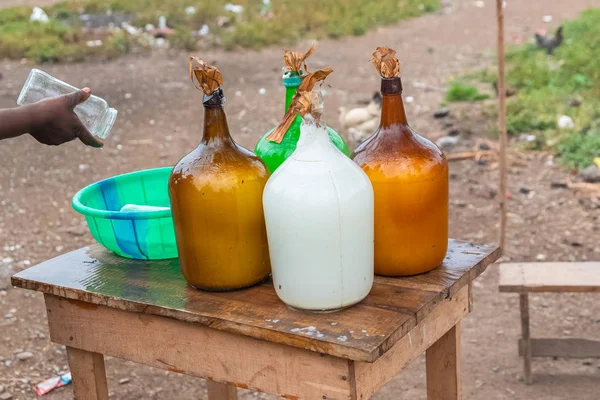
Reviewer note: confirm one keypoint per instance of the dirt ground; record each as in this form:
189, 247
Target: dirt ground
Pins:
160, 119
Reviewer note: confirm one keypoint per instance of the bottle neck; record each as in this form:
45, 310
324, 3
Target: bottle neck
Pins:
215, 125
291, 81
392, 107
392, 110
290, 91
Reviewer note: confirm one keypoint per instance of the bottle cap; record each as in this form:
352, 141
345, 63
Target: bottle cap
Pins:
291, 79
216, 98
391, 85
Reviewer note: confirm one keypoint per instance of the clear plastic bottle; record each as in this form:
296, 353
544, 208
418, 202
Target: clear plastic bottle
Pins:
95, 114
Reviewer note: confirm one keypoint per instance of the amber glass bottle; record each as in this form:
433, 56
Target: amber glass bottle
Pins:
410, 181
216, 201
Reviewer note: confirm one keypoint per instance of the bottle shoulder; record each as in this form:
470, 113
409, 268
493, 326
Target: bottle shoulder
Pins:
206, 162
266, 148
316, 168
402, 155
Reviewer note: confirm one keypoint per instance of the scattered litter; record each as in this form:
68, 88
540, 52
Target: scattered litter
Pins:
565, 122
205, 30
547, 18
149, 28
334, 323
38, 15
124, 381
152, 122
161, 42
82, 167
128, 95
441, 113
94, 43
52, 383
162, 22
238, 93
540, 257
25, 355
342, 338
409, 99
234, 8
526, 137
191, 10
132, 30
447, 142
262, 91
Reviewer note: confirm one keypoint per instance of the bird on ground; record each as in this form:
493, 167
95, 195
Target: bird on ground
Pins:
549, 43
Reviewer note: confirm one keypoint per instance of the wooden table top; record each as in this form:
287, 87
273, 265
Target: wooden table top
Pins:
363, 332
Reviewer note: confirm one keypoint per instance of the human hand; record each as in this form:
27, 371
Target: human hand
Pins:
53, 121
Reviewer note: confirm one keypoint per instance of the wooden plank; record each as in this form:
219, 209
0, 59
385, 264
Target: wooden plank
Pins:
221, 391
370, 377
464, 262
96, 276
88, 374
525, 336
550, 277
572, 348
443, 367
197, 350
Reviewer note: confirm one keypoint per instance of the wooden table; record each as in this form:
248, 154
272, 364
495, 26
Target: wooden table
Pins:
100, 304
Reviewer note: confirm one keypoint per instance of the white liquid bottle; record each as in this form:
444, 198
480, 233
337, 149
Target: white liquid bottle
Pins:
319, 215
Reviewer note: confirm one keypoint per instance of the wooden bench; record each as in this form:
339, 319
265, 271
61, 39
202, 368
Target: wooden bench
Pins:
556, 277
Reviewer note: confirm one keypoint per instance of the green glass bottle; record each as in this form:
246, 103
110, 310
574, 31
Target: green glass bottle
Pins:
274, 154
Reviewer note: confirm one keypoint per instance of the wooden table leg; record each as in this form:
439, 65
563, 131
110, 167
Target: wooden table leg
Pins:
221, 391
443, 367
525, 335
89, 376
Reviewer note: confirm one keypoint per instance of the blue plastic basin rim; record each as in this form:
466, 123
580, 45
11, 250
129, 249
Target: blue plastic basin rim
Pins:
127, 215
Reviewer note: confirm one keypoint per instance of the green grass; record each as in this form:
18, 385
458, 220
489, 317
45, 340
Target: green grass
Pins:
548, 85
63, 40
459, 91
578, 150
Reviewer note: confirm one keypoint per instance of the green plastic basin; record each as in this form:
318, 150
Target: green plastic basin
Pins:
143, 235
